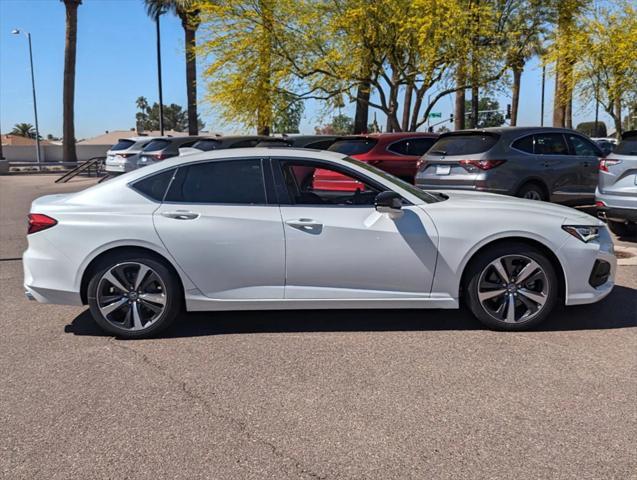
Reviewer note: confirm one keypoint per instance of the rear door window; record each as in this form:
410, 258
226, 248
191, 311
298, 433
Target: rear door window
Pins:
525, 144
583, 147
353, 146
123, 144
464, 144
228, 182
156, 145
550, 144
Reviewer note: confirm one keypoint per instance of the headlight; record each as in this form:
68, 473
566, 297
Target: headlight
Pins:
583, 233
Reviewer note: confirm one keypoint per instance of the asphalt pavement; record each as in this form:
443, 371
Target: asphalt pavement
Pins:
315, 394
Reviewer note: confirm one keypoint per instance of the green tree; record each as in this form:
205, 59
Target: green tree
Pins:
188, 13
489, 113
175, 118
340, 125
68, 95
288, 110
23, 130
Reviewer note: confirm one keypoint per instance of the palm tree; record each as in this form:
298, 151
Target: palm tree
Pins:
533, 47
68, 97
23, 130
189, 17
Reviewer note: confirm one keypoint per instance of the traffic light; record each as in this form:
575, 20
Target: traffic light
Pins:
508, 115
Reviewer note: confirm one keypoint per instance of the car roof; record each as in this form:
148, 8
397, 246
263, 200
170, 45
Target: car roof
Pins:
513, 130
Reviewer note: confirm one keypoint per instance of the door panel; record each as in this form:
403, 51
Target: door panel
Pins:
355, 252
228, 251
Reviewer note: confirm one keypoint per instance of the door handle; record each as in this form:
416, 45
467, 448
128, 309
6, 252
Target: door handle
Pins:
181, 215
304, 224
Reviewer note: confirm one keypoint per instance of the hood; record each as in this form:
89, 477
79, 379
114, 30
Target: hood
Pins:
491, 202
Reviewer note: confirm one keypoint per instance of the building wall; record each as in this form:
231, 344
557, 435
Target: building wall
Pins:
51, 153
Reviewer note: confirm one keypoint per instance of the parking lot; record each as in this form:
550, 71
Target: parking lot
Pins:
315, 394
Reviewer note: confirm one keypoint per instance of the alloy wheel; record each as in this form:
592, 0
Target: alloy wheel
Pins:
131, 296
513, 288
532, 195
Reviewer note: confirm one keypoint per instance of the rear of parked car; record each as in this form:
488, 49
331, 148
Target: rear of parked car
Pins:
557, 165
616, 195
163, 148
124, 155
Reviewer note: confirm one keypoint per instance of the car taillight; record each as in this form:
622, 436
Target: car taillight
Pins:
604, 163
158, 156
125, 155
482, 164
419, 164
599, 204
39, 222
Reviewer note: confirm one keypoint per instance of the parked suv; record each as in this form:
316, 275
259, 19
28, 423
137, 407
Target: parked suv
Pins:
123, 156
616, 195
551, 164
164, 147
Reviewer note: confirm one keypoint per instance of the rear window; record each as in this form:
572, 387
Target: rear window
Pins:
206, 145
123, 144
156, 145
353, 146
464, 144
412, 146
628, 146
155, 186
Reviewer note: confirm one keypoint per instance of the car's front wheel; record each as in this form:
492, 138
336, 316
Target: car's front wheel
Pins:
511, 287
133, 297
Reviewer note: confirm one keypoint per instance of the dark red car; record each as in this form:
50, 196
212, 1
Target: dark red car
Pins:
395, 153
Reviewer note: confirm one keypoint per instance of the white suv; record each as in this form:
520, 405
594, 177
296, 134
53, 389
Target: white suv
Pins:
123, 156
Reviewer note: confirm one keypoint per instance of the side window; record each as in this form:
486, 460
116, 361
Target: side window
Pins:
308, 183
524, 144
419, 146
583, 147
155, 186
233, 181
401, 147
550, 144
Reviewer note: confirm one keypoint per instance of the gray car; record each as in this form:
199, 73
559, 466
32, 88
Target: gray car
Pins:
164, 147
616, 195
538, 163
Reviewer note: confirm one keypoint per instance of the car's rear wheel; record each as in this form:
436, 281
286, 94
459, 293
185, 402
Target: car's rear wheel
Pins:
511, 287
133, 297
532, 191
622, 229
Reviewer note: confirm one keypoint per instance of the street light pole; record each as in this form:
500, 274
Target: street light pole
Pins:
542, 108
35, 105
161, 98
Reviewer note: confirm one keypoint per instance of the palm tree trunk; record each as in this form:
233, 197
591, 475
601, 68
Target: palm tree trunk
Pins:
68, 96
515, 94
459, 108
190, 22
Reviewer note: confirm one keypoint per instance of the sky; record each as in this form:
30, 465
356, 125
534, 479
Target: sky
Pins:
116, 64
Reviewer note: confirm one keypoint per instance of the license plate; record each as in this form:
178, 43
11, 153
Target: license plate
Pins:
443, 169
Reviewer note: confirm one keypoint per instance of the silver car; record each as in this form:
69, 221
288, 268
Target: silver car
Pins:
616, 195
537, 163
123, 156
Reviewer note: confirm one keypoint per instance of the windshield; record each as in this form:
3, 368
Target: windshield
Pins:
465, 144
421, 194
353, 146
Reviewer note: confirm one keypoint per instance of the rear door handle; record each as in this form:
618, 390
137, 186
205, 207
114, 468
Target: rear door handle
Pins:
181, 215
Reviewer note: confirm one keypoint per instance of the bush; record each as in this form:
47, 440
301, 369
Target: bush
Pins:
588, 128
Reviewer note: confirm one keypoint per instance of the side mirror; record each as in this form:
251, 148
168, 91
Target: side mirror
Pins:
389, 202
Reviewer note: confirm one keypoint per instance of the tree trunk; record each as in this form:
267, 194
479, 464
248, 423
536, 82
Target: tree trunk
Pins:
361, 117
515, 94
559, 110
68, 95
392, 118
190, 22
459, 117
264, 109
568, 112
618, 117
409, 89
475, 104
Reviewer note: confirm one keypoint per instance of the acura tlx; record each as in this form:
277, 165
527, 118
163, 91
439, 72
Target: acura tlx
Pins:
251, 229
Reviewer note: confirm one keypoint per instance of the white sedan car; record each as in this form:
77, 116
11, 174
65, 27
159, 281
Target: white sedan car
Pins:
252, 229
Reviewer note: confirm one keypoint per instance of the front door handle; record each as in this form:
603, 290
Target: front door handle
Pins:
181, 215
306, 224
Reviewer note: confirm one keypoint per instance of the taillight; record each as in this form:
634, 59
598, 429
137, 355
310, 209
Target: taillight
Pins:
125, 155
482, 164
39, 222
599, 204
159, 156
419, 164
604, 163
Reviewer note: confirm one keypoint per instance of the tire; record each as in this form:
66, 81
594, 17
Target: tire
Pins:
532, 191
125, 310
622, 229
483, 282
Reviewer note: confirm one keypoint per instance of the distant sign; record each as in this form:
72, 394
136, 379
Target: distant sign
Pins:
435, 115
